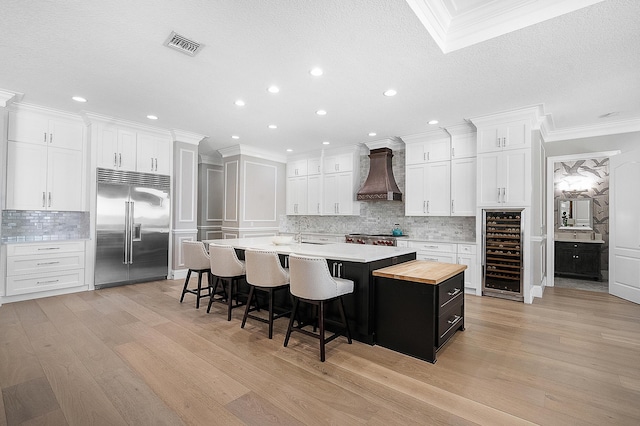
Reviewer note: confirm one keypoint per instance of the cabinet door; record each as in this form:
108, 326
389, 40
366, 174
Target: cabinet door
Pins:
438, 189
127, 148
146, 150
464, 146
488, 179
28, 127
438, 150
469, 274
516, 135
415, 153
314, 166
489, 139
338, 163
297, 195
64, 179
564, 257
330, 194
297, 168
414, 200
516, 177
107, 147
345, 193
463, 187
314, 195
66, 134
26, 176
163, 156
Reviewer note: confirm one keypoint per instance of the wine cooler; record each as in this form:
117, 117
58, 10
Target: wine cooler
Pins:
502, 250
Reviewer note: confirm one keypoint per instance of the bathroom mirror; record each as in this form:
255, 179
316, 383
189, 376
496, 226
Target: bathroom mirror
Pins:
575, 213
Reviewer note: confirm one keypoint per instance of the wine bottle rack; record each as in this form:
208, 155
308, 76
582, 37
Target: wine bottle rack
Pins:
503, 254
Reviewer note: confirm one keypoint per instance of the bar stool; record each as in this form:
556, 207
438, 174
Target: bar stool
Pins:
264, 273
226, 266
312, 283
197, 260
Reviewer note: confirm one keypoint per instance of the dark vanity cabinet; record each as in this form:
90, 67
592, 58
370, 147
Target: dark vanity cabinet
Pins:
578, 260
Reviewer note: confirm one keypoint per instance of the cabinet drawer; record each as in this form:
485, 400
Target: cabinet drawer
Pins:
33, 283
29, 264
432, 246
450, 321
44, 248
448, 291
435, 256
466, 249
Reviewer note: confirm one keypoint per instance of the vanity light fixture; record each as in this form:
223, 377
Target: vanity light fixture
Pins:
316, 72
389, 92
79, 99
152, 117
321, 112
239, 102
273, 126
273, 89
432, 122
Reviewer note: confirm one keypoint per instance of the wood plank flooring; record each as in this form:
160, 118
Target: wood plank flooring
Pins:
134, 355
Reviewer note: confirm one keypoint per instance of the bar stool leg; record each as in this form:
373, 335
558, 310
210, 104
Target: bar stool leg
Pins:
199, 290
321, 326
186, 284
293, 315
344, 319
271, 313
246, 310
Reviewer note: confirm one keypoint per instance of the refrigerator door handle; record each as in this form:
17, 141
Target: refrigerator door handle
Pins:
125, 260
131, 227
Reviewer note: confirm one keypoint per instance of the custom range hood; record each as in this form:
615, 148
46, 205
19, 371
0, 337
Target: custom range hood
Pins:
380, 183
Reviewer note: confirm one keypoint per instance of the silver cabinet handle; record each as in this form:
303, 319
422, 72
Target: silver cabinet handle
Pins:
47, 282
49, 248
45, 137
427, 206
44, 198
156, 164
454, 320
452, 207
50, 137
49, 199
47, 263
119, 160
498, 143
453, 152
424, 207
333, 269
151, 163
115, 159
504, 142
504, 195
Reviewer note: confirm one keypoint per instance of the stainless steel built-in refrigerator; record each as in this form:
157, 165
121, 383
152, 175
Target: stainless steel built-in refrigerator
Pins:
132, 227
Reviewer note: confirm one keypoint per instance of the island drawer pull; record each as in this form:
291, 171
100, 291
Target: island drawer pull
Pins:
454, 292
454, 320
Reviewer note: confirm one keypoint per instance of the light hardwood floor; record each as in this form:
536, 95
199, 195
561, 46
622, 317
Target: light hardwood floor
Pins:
135, 355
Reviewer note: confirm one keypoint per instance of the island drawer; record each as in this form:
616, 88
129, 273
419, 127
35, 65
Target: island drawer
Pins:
449, 290
450, 320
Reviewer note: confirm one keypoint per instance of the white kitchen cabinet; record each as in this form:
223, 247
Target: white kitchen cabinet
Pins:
467, 255
428, 151
434, 251
297, 195
338, 195
338, 163
153, 154
428, 189
43, 177
314, 194
116, 148
39, 267
463, 187
504, 136
40, 127
464, 145
297, 168
504, 178
314, 166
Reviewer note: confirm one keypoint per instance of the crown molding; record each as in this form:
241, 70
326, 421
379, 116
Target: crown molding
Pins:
533, 113
461, 129
393, 143
90, 118
551, 134
186, 137
214, 160
491, 19
7, 97
431, 135
252, 152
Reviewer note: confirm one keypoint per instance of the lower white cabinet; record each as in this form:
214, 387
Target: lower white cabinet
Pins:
38, 267
467, 255
435, 252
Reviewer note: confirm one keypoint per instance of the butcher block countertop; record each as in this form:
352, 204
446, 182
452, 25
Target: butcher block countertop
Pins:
421, 271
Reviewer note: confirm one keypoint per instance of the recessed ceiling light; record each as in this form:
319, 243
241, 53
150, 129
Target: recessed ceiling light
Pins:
79, 99
321, 112
372, 134
433, 122
316, 72
273, 89
326, 143
152, 117
239, 102
235, 137
289, 150
389, 92
273, 126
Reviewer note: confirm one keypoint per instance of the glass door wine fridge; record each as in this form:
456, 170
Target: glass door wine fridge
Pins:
502, 254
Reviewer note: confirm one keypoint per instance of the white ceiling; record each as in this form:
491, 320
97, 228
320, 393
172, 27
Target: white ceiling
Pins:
580, 65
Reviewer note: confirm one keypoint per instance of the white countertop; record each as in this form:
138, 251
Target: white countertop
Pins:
336, 251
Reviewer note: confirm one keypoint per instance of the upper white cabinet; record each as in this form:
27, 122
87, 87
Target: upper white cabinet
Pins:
428, 189
297, 195
297, 168
464, 145
45, 172
153, 153
41, 127
338, 163
125, 147
512, 135
463, 187
504, 178
314, 166
314, 194
427, 148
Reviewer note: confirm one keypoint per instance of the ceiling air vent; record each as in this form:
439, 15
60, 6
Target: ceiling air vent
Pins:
182, 44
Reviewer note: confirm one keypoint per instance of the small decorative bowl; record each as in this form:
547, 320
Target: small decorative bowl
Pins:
282, 240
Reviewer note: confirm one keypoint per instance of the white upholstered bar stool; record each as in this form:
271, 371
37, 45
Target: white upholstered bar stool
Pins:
196, 259
226, 266
264, 273
311, 282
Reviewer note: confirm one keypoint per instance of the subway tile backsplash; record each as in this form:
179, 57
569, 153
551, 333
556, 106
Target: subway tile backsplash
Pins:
35, 225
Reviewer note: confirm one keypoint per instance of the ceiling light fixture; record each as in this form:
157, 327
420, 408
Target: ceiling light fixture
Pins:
316, 72
432, 122
239, 102
273, 89
372, 134
273, 126
321, 112
79, 99
389, 92
152, 117
326, 143
289, 150
235, 137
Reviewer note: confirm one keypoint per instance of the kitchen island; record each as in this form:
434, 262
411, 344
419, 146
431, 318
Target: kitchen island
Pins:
419, 306
352, 261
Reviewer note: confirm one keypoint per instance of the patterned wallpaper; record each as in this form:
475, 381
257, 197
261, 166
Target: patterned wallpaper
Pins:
586, 179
